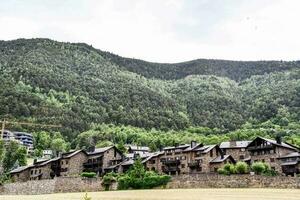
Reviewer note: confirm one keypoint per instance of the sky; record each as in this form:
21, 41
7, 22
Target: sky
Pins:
162, 30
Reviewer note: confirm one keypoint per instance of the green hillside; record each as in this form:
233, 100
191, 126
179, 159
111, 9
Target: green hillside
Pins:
76, 85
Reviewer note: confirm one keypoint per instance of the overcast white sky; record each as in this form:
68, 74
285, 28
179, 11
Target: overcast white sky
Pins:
163, 30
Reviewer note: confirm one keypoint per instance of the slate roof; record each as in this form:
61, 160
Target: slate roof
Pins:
234, 144
138, 148
219, 159
100, 150
282, 144
290, 155
71, 154
205, 148
20, 169
182, 146
290, 163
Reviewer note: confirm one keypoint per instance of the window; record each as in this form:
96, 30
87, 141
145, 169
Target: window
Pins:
40, 171
183, 166
62, 162
199, 169
67, 162
215, 169
242, 157
35, 171
152, 161
272, 160
107, 152
211, 153
31, 172
263, 160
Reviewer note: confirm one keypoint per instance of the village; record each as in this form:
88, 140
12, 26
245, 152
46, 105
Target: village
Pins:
180, 159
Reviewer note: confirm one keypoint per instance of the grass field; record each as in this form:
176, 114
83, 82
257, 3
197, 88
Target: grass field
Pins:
179, 194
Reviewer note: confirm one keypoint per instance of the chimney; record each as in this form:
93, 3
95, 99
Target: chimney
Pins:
278, 139
35, 160
91, 149
193, 143
232, 143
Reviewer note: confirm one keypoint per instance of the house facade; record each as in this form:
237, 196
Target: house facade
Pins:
267, 150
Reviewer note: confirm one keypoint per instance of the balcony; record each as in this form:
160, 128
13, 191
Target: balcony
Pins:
254, 148
171, 169
92, 164
194, 164
171, 162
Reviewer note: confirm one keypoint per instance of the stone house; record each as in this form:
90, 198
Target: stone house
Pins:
102, 160
290, 163
71, 163
237, 149
267, 150
20, 174
152, 162
220, 161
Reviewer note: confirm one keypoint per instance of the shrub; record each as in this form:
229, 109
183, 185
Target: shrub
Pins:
258, 167
88, 174
138, 178
229, 168
223, 171
241, 167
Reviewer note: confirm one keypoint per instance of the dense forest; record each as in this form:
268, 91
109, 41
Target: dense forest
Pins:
80, 87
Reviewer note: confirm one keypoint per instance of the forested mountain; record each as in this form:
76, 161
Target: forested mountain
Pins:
76, 85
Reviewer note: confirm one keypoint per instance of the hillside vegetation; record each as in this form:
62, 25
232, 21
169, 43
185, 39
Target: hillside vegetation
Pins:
77, 86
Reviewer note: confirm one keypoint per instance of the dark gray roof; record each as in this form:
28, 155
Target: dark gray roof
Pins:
205, 149
100, 150
70, 154
182, 146
138, 148
290, 163
220, 159
20, 169
234, 144
282, 144
290, 155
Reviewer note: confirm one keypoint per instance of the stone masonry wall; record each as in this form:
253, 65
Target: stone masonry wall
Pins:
77, 184
233, 181
56, 185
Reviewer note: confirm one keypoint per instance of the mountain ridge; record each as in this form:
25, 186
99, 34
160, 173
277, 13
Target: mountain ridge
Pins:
76, 85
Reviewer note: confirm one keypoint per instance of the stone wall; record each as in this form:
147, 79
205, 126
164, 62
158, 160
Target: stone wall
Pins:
233, 181
29, 187
56, 185
78, 184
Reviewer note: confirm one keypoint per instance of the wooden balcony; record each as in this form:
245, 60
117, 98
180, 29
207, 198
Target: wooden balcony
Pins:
171, 162
263, 147
193, 164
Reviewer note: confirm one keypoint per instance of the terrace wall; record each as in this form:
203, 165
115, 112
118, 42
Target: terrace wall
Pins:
56, 185
78, 184
232, 181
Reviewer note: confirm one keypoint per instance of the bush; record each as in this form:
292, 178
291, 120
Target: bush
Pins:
258, 167
138, 178
223, 171
88, 174
229, 168
241, 167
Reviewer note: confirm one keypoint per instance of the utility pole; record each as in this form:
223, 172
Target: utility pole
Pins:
4, 122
